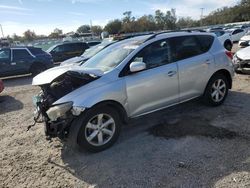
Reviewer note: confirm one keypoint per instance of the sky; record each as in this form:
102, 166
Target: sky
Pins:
43, 16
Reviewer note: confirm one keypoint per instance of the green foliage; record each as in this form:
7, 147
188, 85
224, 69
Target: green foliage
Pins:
96, 30
83, 29
113, 27
29, 35
238, 13
56, 33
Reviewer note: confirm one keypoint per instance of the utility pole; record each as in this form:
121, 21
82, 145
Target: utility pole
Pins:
202, 9
2, 30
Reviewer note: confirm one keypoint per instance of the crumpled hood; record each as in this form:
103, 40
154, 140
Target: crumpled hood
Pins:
244, 53
49, 75
73, 60
245, 38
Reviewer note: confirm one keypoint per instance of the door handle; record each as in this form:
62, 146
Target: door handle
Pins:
13, 63
208, 62
171, 73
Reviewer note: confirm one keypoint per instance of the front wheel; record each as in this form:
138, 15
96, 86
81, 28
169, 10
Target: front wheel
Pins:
96, 130
216, 90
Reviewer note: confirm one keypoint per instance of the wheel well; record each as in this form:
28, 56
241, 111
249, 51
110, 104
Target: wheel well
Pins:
226, 74
116, 105
227, 42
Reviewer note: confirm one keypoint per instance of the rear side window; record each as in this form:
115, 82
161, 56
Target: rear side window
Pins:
205, 41
36, 51
20, 54
185, 47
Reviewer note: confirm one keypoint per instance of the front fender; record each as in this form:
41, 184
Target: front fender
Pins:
114, 91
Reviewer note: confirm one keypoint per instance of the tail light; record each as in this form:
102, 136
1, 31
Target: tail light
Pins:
229, 54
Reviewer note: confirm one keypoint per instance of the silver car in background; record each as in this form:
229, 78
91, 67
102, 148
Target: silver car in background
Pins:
87, 104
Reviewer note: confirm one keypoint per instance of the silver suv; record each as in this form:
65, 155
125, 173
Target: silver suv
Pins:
88, 103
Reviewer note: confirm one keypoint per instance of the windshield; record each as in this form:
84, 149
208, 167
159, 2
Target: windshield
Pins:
51, 48
94, 50
111, 56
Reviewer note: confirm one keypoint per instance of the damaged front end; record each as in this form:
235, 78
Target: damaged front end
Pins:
241, 64
58, 118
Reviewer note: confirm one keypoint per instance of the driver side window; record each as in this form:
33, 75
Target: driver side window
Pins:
155, 54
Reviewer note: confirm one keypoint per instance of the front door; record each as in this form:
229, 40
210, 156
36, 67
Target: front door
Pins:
5, 67
157, 86
21, 61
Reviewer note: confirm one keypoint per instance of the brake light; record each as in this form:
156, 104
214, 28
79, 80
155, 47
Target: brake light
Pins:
229, 54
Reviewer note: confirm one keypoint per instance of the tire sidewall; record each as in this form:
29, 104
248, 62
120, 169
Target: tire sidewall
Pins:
78, 135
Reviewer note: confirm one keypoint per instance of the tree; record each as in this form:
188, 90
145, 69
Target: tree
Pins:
165, 21
96, 29
113, 27
56, 33
145, 23
186, 22
29, 35
83, 29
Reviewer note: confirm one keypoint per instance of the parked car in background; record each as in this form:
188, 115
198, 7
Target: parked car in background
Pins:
246, 27
224, 38
93, 43
241, 60
23, 60
64, 51
1, 86
87, 54
133, 77
236, 34
245, 40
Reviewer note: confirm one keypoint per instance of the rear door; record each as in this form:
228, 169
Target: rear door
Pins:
5, 67
21, 61
194, 62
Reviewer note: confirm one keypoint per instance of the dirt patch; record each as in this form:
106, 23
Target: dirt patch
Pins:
190, 126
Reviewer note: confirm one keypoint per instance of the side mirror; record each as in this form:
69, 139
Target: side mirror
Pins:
137, 66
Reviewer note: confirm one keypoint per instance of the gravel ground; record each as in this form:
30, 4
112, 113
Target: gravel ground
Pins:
189, 145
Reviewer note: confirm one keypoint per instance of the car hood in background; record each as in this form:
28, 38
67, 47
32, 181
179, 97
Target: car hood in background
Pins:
73, 60
245, 38
49, 75
244, 53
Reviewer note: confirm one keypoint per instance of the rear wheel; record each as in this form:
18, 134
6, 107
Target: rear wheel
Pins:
96, 130
216, 90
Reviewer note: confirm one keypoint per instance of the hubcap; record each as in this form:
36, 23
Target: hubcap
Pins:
100, 129
218, 90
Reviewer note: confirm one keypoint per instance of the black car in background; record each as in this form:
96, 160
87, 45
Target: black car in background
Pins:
23, 60
87, 54
93, 43
64, 51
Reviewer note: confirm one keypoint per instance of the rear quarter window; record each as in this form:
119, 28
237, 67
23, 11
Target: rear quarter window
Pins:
205, 41
36, 51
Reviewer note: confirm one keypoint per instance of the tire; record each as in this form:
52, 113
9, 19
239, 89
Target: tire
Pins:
37, 69
213, 94
228, 46
81, 130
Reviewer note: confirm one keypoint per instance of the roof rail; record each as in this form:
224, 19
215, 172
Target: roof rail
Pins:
171, 31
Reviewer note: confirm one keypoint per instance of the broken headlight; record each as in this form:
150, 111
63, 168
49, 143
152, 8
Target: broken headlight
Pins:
59, 110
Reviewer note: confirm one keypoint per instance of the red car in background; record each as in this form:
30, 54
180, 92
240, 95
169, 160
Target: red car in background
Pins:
1, 86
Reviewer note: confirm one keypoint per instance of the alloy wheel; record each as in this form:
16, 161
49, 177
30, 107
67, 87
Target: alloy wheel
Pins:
100, 129
218, 90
